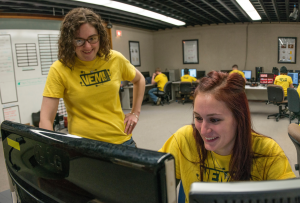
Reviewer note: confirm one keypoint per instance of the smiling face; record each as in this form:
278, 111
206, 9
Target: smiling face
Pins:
87, 52
215, 123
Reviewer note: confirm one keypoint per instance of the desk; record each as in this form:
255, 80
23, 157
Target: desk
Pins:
256, 93
125, 96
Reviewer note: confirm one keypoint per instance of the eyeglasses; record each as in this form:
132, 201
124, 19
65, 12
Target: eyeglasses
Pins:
92, 40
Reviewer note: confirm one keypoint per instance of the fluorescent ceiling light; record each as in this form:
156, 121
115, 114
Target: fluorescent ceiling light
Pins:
250, 10
135, 10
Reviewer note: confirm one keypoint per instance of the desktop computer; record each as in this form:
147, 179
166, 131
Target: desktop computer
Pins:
247, 74
192, 72
167, 74
266, 78
174, 75
200, 74
258, 71
295, 78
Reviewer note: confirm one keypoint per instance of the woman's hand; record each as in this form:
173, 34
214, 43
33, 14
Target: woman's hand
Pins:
130, 120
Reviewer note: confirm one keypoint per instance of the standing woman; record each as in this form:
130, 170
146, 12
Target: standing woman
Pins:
87, 76
221, 146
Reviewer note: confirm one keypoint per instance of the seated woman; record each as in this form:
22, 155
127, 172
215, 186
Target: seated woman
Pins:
221, 146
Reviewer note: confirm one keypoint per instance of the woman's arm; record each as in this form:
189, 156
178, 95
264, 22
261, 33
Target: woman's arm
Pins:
48, 112
131, 119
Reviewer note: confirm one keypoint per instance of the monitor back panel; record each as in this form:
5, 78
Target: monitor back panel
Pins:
55, 167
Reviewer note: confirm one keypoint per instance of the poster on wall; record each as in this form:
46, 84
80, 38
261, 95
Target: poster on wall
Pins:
287, 49
12, 114
190, 51
134, 53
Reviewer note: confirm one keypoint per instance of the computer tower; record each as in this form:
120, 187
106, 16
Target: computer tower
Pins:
174, 75
258, 71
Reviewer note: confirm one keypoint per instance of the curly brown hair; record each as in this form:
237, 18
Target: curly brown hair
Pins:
68, 30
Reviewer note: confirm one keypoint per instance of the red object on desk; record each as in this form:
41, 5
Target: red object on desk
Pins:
66, 122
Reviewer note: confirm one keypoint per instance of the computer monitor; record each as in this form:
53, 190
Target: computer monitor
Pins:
200, 74
247, 74
50, 166
294, 77
290, 71
225, 71
246, 191
146, 74
266, 78
192, 72
167, 74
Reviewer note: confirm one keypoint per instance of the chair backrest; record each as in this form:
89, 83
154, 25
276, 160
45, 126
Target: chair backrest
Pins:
294, 134
167, 87
275, 93
293, 100
185, 87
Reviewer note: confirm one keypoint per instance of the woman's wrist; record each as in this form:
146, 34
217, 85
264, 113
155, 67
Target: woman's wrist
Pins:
135, 115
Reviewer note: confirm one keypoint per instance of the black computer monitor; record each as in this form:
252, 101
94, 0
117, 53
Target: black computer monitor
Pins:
146, 74
192, 72
167, 74
294, 77
247, 74
55, 167
246, 191
290, 71
200, 74
226, 71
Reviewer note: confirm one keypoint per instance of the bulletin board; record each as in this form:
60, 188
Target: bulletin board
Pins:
287, 49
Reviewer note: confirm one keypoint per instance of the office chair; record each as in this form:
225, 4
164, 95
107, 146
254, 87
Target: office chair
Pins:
166, 94
185, 88
294, 134
276, 97
293, 104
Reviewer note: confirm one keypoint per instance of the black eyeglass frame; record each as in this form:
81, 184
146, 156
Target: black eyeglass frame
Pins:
86, 40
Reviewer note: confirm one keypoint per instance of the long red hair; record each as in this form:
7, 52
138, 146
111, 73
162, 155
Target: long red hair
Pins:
230, 89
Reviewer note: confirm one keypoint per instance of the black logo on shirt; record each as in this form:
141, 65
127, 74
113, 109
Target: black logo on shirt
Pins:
283, 79
95, 78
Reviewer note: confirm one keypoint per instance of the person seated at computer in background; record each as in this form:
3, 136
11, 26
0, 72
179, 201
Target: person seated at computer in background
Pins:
220, 145
187, 78
235, 70
161, 79
284, 80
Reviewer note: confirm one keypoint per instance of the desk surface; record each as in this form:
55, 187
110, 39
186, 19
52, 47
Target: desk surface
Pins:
248, 87
131, 86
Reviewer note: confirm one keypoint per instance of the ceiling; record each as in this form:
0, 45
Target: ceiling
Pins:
192, 12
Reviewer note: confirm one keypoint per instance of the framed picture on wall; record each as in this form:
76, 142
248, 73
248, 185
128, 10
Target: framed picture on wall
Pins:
134, 53
287, 49
190, 51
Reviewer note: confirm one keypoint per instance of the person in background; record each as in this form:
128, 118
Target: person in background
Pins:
161, 79
88, 75
284, 80
187, 77
235, 70
220, 145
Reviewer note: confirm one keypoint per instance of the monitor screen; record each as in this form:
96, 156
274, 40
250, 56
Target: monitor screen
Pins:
200, 74
192, 72
167, 74
247, 74
246, 191
60, 167
294, 77
146, 74
266, 78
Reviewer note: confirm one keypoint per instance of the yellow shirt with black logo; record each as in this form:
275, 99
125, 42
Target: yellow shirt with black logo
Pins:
161, 79
91, 96
188, 78
183, 147
284, 81
239, 72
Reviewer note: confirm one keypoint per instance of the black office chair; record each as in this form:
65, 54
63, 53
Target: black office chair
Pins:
294, 134
186, 89
165, 95
276, 97
294, 104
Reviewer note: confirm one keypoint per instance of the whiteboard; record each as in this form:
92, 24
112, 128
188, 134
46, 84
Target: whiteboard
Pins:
8, 91
29, 55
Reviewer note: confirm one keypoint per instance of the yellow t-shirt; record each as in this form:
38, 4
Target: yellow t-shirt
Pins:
161, 80
284, 81
298, 90
239, 72
91, 96
182, 146
188, 78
